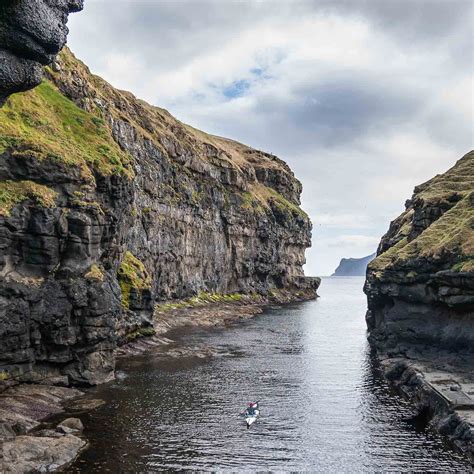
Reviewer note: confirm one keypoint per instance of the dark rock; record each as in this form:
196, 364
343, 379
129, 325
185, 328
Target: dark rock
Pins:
185, 213
422, 294
32, 32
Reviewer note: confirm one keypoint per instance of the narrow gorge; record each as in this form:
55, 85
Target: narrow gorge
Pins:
136, 249
110, 205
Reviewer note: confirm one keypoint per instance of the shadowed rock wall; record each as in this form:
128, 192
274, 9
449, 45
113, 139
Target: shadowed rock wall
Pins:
420, 287
108, 204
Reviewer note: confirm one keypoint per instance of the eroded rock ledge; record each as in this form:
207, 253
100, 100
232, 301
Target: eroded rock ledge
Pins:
420, 291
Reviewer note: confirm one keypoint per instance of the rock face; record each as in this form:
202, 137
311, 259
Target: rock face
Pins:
32, 32
108, 204
420, 291
353, 266
420, 287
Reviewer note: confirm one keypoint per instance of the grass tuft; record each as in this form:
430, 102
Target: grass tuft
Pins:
14, 192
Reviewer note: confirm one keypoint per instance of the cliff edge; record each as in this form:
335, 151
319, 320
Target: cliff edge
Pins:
108, 205
420, 288
420, 291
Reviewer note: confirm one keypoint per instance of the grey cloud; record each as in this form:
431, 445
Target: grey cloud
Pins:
325, 121
410, 20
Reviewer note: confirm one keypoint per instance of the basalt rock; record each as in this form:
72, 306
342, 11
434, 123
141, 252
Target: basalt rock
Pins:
32, 32
107, 205
420, 287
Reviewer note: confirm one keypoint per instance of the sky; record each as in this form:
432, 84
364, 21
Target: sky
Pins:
364, 99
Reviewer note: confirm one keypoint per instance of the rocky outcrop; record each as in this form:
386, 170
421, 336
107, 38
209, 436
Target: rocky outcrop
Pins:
32, 32
420, 287
420, 291
108, 205
442, 398
353, 266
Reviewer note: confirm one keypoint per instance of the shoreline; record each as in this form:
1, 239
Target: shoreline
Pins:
444, 398
32, 437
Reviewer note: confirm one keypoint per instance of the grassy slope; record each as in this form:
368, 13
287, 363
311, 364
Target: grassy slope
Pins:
452, 233
45, 124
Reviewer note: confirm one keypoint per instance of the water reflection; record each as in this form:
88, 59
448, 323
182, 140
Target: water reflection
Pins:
324, 404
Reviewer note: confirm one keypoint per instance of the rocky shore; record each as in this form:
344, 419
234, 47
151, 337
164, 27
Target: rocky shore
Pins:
443, 398
420, 291
38, 428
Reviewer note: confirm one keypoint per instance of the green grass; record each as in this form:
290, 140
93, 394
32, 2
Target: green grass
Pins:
449, 238
142, 332
14, 192
202, 299
452, 233
45, 124
132, 274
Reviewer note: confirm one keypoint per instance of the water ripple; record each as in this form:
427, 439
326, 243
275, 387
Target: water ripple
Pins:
325, 407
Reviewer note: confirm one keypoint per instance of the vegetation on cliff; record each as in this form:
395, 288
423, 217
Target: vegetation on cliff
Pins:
437, 226
14, 192
47, 125
88, 171
132, 275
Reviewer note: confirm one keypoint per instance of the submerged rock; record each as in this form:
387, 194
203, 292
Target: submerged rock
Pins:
70, 425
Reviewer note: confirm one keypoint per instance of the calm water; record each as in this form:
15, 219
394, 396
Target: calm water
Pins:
324, 405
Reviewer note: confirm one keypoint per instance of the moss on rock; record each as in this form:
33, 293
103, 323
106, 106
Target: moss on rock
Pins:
46, 124
132, 275
95, 273
14, 192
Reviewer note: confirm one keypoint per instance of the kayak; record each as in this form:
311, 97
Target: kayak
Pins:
251, 414
251, 419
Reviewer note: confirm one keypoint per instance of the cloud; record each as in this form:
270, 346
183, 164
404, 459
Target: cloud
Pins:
363, 98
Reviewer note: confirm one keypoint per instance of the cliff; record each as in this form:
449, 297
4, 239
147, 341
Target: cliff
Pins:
420, 287
353, 266
420, 292
108, 205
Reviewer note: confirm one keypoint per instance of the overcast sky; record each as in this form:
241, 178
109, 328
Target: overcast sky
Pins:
363, 99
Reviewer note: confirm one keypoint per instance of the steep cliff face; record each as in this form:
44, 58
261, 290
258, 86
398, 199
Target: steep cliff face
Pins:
108, 204
420, 287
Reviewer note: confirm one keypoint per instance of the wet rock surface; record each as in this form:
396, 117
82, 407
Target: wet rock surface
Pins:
40, 454
444, 397
28, 442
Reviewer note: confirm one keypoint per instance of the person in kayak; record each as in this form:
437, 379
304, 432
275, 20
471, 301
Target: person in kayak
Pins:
251, 408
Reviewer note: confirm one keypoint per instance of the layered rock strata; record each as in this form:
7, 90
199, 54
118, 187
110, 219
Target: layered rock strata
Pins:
31, 34
107, 205
420, 288
420, 291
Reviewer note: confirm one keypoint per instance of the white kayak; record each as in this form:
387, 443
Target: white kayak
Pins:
250, 419
251, 414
